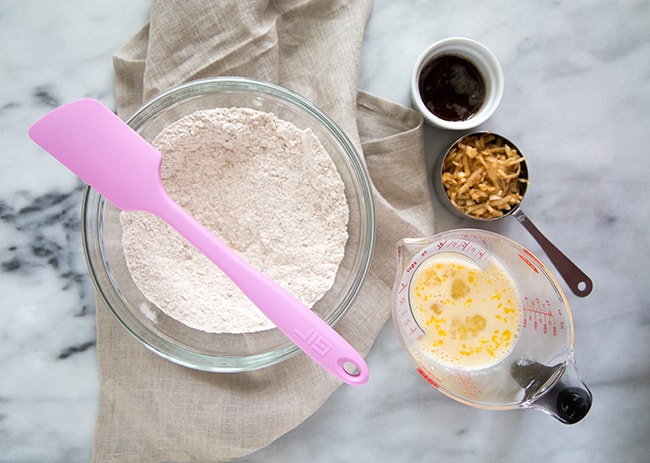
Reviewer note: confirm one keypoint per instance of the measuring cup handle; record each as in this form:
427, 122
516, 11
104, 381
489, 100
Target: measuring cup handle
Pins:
569, 399
579, 283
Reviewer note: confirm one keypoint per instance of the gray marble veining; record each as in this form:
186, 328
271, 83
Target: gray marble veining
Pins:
577, 102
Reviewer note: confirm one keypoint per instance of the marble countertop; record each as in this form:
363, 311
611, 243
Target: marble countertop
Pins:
577, 102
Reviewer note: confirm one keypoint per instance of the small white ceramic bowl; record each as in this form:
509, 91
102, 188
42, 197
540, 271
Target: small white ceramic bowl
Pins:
478, 55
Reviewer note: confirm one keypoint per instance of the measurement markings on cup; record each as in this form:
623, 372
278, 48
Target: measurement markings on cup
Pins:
539, 316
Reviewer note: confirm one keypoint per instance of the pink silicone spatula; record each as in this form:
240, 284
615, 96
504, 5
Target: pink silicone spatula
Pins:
123, 167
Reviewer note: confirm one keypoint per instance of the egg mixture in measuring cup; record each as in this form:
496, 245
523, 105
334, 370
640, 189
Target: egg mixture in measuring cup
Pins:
470, 313
485, 322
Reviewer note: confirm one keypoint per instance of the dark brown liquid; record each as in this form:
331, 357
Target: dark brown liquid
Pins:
452, 88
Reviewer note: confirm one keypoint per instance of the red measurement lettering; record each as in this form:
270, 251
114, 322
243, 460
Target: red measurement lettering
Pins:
529, 263
428, 377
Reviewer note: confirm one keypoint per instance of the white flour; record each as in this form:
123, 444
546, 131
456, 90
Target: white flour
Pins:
268, 189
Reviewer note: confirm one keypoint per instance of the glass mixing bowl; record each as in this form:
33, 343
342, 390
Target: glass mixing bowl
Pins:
224, 352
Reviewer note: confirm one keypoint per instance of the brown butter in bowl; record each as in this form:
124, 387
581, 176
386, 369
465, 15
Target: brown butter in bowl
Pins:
483, 177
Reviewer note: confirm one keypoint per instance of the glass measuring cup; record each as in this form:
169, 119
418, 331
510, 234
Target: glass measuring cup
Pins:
531, 366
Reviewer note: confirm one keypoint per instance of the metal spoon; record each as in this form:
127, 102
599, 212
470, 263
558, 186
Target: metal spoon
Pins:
579, 283
123, 167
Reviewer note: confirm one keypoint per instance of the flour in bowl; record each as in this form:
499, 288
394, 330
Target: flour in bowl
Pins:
266, 188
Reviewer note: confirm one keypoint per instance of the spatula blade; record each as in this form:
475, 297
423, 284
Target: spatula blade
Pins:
107, 154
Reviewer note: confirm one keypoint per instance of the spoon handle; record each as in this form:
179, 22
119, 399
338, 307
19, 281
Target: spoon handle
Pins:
300, 324
579, 283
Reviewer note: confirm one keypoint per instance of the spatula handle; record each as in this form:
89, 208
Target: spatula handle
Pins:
300, 324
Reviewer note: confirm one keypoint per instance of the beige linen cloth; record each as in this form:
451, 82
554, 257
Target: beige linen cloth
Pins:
152, 410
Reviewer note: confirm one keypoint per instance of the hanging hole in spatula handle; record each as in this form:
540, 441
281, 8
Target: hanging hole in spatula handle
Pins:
579, 283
